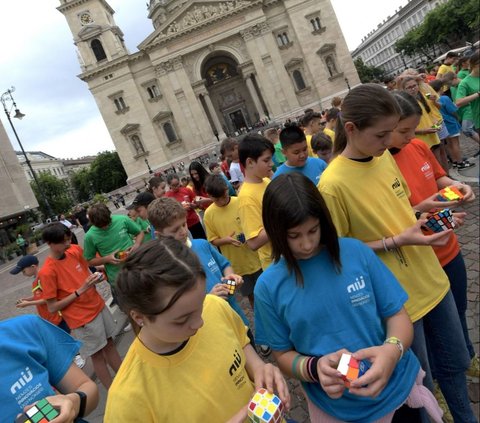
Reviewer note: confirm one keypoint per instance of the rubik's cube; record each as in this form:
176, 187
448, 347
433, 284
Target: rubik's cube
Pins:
41, 412
231, 286
241, 238
351, 368
449, 194
441, 221
265, 407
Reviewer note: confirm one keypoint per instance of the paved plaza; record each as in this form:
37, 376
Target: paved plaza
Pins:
14, 287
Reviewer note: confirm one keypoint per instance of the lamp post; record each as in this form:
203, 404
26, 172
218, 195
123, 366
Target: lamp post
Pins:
348, 84
148, 166
6, 98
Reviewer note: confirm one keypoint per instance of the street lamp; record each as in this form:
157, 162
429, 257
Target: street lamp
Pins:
148, 166
348, 84
6, 98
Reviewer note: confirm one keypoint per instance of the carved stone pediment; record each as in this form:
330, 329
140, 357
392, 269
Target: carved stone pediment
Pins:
326, 48
293, 63
129, 128
194, 14
161, 116
89, 31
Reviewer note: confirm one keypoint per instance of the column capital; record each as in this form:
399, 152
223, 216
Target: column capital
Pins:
255, 31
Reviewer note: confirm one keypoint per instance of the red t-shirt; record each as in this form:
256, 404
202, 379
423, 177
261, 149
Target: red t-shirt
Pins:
421, 170
179, 195
62, 277
42, 309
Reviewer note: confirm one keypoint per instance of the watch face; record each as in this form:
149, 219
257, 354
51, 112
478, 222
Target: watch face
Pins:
85, 18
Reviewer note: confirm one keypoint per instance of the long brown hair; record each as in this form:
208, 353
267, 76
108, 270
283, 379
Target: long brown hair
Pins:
364, 105
289, 200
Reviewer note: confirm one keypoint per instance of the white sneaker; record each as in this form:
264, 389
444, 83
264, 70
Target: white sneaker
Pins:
79, 361
127, 328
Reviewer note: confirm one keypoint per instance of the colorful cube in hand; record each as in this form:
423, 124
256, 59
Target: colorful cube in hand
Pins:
121, 255
231, 286
449, 194
241, 238
41, 412
351, 369
441, 221
265, 407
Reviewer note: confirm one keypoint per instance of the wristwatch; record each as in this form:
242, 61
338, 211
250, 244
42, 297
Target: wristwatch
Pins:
395, 341
83, 403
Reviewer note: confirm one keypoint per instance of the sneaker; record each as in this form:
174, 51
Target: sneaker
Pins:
474, 369
127, 328
437, 393
79, 361
464, 165
264, 350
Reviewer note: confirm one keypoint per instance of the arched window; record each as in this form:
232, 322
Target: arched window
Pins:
317, 22
285, 39
279, 40
98, 50
150, 92
299, 81
169, 132
331, 66
137, 144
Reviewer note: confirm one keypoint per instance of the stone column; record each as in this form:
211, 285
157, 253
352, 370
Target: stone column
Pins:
255, 98
213, 114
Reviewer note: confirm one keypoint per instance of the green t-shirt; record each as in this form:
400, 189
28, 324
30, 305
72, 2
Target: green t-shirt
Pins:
468, 86
464, 113
116, 237
279, 158
145, 227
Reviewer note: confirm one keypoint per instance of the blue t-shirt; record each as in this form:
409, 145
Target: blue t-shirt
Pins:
214, 264
312, 169
231, 190
35, 355
448, 110
334, 311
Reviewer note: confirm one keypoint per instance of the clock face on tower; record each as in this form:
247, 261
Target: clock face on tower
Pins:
85, 18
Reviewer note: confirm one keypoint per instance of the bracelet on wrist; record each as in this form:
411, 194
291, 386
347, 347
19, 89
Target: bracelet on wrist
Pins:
395, 341
77, 294
83, 403
305, 368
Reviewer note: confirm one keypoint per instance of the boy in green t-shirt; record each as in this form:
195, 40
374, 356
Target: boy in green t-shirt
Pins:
140, 204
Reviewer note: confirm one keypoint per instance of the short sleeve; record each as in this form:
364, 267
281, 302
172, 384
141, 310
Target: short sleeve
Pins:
337, 211
219, 258
89, 248
209, 226
270, 328
48, 279
250, 218
132, 227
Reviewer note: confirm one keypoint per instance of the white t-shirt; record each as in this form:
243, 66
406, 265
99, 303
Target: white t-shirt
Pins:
236, 174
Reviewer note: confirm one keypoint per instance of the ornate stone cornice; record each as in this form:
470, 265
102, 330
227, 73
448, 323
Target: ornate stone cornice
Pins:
255, 31
111, 66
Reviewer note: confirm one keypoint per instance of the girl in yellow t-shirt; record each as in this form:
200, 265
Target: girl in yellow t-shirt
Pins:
191, 360
368, 199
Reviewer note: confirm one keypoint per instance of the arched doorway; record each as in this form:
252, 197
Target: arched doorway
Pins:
229, 94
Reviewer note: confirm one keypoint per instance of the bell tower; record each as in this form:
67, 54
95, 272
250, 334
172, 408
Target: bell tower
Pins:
97, 38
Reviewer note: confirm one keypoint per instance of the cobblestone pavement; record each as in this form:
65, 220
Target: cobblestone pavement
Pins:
14, 287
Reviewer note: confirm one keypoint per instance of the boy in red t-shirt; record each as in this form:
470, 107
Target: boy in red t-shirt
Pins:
69, 286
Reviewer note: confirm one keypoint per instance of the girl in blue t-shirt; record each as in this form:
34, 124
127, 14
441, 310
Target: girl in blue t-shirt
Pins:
324, 296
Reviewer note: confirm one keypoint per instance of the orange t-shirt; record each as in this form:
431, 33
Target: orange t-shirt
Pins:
42, 309
421, 170
62, 277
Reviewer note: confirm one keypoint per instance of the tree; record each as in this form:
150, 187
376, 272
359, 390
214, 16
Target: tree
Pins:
81, 182
368, 73
56, 192
107, 172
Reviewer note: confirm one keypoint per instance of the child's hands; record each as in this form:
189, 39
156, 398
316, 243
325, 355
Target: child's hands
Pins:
467, 192
414, 236
231, 240
111, 259
384, 358
234, 277
330, 378
239, 417
432, 203
220, 290
459, 218
21, 303
270, 377
64, 405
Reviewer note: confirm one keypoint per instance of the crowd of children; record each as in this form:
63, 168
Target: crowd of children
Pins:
321, 225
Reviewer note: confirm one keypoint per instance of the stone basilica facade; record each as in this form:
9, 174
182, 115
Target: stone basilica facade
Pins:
208, 69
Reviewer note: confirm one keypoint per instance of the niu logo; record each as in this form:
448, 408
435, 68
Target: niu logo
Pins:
236, 363
357, 285
396, 184
25, 377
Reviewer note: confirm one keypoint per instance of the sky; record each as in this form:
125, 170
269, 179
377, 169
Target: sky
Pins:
38, 58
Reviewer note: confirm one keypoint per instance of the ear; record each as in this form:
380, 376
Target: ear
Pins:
250, 162
137, 317
350, 128
158, 233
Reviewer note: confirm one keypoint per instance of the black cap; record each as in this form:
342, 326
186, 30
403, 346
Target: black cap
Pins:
23, 263
143, 199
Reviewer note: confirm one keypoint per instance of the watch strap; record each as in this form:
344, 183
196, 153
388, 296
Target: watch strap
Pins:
395, 341
83, 403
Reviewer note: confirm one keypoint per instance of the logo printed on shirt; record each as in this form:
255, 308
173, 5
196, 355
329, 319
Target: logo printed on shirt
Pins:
213, 266
397, 188
358, 295
427, 170
78, 267
25, 377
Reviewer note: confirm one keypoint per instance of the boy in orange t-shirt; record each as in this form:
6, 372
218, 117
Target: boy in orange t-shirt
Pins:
69, 286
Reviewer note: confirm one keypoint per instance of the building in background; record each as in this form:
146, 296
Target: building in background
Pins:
209, 69
378, 47
16, 195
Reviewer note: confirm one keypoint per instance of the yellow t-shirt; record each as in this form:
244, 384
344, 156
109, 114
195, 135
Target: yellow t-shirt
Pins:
204, 382
369, 201
223, 221
444, 69
250, 200
309, 146
426, 122
330, 133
